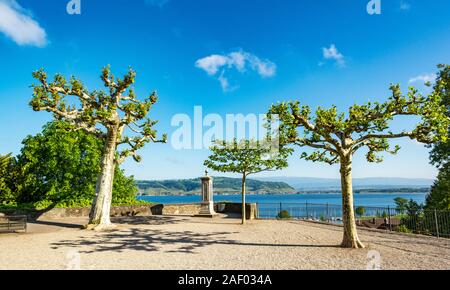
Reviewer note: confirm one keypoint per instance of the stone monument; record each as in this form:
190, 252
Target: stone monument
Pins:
207, 205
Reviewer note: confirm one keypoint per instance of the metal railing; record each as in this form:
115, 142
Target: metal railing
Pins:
420, 221
13, 223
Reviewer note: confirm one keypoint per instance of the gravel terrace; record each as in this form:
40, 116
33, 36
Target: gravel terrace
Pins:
220, 243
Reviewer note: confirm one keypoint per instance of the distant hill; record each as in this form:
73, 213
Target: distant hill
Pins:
222, 185
310, 183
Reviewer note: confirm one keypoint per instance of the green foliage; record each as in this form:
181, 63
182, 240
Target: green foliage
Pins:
404, 229
413, 208
284, 214
440, 155
382, 214
412, 216
59, 167
439, 197
246, 157
130, 200
335, 136
112, 110
360, 210
401, 204
6, 175
116, 117
5, 161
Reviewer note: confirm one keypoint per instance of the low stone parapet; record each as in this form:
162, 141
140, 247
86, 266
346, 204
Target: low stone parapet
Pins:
59, 213
190, 209
251, 209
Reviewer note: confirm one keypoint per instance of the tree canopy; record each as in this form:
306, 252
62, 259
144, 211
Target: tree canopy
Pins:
364, 126
439, 197
6, 193
58, 167
246, 157
440, 155
110, 109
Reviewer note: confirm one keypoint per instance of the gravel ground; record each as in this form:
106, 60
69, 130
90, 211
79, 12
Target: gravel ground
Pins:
220, 243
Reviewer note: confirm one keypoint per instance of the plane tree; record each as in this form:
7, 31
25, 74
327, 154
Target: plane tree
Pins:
115, 115
335, 137
247, 157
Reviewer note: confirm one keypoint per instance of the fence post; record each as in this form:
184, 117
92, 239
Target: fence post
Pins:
307, 215
437, 223
389, 218
328, 215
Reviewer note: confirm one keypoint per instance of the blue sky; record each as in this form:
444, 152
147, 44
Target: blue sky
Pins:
228, 57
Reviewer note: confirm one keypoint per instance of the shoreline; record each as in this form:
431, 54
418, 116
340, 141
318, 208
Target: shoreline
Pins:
324, 193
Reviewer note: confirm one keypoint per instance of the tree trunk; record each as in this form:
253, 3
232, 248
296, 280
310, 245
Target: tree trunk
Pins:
101, 206
243, 199
350, 239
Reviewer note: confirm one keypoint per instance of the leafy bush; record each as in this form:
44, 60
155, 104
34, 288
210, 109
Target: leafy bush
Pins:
58, 168
404, 229
401, 204
360, 210
439, 196
129, 201
284, 214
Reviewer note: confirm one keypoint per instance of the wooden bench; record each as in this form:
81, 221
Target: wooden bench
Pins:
13, 223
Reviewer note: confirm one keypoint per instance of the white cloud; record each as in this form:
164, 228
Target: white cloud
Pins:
404, 6
224, 82
333, 54
239, 60
424, 78
18, 24
211, 64
158, 3
264, 68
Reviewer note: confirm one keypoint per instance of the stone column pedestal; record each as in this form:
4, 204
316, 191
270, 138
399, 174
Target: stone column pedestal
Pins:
207, 204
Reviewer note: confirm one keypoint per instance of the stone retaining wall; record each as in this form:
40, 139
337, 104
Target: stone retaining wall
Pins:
251, 209
58, 213
181, 209
143, 210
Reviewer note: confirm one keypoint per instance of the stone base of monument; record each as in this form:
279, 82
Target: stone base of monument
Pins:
207, 210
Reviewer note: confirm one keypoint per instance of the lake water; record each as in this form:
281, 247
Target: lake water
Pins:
306, 206
368, 200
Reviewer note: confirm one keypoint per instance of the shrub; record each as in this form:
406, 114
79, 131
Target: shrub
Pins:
404, 229
284, 214
360, 210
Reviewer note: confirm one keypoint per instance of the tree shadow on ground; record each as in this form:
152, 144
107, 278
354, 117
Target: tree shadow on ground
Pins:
57, 224
141, 239
389, 239
144, 240
146, 220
